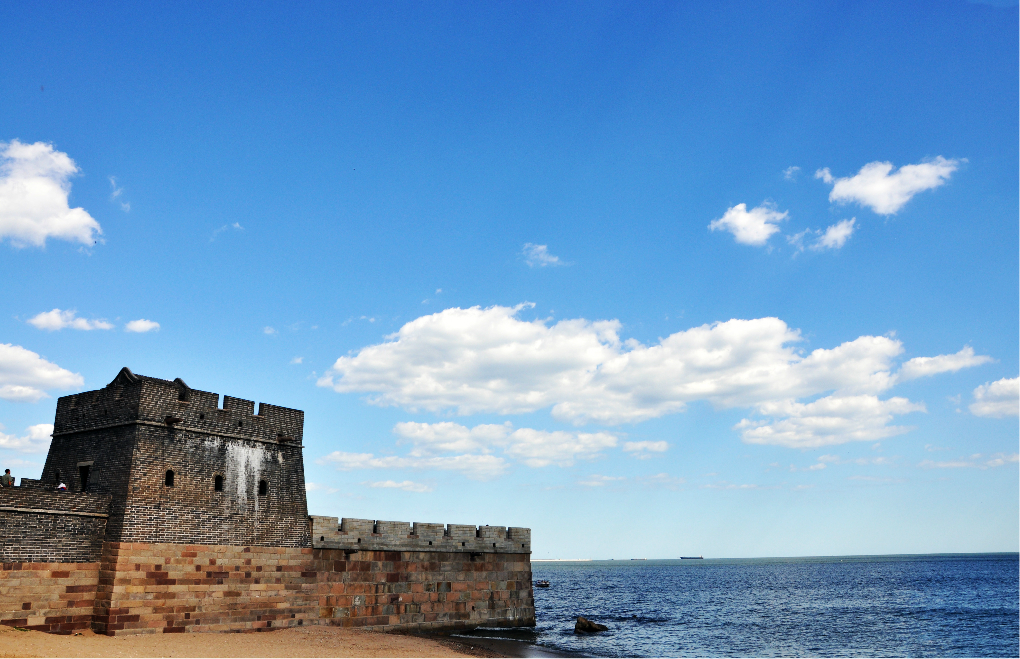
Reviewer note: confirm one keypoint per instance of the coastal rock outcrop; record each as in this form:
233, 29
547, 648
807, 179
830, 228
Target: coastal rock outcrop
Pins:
585, 626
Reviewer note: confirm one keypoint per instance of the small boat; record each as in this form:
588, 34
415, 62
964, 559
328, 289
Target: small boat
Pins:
691, 558
542, 583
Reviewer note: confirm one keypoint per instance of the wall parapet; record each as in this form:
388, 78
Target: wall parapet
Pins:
139, 399
352, 534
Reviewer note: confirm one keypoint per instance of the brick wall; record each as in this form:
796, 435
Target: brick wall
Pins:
166, 588
49, 597
134, 430
38, 526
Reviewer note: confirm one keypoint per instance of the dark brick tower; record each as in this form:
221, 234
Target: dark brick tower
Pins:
181, 469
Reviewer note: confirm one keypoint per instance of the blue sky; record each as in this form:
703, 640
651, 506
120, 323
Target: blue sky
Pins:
735, 279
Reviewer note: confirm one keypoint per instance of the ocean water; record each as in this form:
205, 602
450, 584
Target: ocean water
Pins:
884, 606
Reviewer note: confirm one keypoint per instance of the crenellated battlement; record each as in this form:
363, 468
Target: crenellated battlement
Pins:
365, 534
131, 398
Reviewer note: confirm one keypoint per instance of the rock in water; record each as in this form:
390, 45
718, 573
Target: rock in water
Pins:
585, 626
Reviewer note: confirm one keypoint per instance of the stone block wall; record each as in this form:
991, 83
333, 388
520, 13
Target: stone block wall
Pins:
361, 534
147, 588
424, 590
49, 597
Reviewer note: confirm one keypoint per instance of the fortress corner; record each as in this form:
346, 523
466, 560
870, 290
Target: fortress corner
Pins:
186, 514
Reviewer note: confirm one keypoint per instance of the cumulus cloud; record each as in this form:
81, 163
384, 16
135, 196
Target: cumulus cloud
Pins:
477, 467
34, 189
490, 361
141, 325
997, 399
406, 486
35, 440
836, 235
644, 450
539, 448
58, 320
535, 448
25, 376
920, 367
790, 173
827, 421
750, 227
538, 256
884, 191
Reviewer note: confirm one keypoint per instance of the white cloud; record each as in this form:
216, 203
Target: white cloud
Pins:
883, 191
34, 189
539, 448
836, 460
750, 227
976, 461
141, 325
236, 226
920, 367
36, 439
538, 256
836, 235
430, 438
827, 421
535, 448
318, 487
57, 320
790, 173
407, 486
24, 375
269, 330
477, 467
297, 360
643, 450
489, 361
997, 399
598, 480
116, 192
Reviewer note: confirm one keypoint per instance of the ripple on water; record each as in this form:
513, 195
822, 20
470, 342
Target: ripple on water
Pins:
958, 605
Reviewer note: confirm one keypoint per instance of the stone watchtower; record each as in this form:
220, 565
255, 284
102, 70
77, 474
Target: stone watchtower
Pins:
181, 469
183, 514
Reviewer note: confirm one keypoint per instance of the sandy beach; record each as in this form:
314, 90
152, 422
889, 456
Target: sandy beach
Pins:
298, 642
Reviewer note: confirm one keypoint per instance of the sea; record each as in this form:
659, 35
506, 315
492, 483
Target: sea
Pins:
957, 605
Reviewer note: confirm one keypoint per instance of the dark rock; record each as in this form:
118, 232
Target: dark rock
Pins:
585, 626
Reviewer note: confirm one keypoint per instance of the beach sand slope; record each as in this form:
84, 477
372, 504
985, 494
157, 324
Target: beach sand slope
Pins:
295, 642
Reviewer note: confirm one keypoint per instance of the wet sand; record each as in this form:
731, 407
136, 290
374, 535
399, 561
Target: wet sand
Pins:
296, 642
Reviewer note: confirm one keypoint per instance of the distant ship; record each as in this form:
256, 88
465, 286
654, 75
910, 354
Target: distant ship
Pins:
691, 558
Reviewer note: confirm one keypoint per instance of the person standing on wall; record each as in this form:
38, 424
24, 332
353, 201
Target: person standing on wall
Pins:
7, 480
